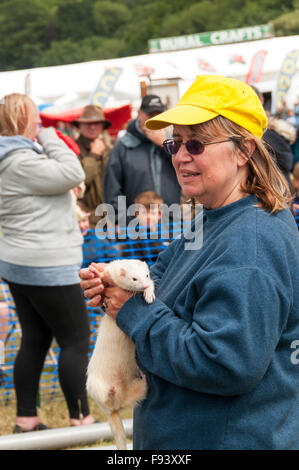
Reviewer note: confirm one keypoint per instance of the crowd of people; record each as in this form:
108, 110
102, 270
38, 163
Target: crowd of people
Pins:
136, 162
209, 346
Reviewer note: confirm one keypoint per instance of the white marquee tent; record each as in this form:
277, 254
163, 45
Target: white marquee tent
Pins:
72, 85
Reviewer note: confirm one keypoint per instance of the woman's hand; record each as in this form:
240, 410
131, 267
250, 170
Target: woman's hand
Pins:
115, 298
100, 289
92, 284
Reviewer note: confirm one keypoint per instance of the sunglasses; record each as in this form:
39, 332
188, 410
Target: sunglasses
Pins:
193, 146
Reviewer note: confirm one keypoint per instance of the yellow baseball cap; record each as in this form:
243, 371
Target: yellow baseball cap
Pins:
210, 96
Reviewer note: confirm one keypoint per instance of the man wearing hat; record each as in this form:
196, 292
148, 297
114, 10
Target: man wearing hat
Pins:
139, 163
94, 152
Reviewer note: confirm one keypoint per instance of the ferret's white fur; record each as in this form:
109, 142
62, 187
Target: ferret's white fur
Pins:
112, 376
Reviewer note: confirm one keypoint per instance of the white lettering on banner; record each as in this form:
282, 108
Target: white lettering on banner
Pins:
190, 41
236, 35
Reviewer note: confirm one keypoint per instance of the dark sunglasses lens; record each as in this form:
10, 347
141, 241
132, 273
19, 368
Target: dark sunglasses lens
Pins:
194, 147
171, 147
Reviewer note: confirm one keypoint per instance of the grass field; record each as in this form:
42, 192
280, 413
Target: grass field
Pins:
53, 413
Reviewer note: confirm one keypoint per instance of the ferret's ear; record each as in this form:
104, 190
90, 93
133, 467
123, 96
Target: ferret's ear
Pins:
123, 272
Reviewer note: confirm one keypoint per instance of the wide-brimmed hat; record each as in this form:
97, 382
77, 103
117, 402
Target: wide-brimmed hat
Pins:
93, 113
210, 96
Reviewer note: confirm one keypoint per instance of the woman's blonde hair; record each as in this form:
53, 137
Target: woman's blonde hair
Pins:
264, 178
15, 112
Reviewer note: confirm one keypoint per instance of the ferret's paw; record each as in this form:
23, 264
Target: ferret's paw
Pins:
149, 295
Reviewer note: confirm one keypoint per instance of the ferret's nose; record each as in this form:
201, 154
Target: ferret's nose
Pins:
145, 286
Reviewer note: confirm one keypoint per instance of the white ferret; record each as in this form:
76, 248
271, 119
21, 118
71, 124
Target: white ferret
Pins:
113, 380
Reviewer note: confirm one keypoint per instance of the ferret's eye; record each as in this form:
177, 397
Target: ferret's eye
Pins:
134, 278
147, 275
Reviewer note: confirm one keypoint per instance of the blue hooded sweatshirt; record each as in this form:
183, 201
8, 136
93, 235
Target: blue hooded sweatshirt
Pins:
220, 344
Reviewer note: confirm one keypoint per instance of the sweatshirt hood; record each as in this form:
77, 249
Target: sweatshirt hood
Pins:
9, 144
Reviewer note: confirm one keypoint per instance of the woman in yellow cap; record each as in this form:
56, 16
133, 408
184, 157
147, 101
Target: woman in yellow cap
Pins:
220, 344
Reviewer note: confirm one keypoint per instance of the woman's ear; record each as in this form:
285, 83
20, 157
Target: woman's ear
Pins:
245, 150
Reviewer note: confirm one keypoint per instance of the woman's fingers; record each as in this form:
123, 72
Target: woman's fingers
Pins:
95, 301
85, 274
90, 290
114, 299
97, 268
91, 283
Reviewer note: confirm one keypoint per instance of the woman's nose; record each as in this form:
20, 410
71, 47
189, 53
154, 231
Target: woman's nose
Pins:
183, 154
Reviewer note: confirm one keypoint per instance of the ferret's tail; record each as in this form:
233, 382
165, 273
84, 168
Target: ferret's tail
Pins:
118, 430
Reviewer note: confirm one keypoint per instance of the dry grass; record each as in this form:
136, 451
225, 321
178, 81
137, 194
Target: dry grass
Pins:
53, 413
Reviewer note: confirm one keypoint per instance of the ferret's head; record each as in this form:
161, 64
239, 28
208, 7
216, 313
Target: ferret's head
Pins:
134, 275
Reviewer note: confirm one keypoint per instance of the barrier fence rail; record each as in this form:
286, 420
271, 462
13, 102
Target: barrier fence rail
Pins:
94, 250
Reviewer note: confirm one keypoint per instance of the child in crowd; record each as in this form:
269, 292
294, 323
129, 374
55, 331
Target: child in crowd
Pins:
149, 212
149, 241
94, 249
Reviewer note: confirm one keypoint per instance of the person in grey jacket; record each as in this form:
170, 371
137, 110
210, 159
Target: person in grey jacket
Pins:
138, 162
40, 256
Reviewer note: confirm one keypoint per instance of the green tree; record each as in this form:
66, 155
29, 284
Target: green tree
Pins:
53, 32
140, 30
91, 48
74, 19
287, 24
197, 18
23, 24
110, 18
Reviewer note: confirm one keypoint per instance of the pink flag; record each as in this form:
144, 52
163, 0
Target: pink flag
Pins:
256, 67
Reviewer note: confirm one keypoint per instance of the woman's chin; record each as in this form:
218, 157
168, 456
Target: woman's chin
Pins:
190, 191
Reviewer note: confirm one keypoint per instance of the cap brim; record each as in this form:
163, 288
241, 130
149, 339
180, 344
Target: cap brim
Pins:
151, 110
184, 115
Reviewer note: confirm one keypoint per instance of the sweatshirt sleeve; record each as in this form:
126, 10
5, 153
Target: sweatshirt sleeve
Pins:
226, 348
54, 172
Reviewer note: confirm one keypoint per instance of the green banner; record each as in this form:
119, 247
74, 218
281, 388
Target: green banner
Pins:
213, 38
